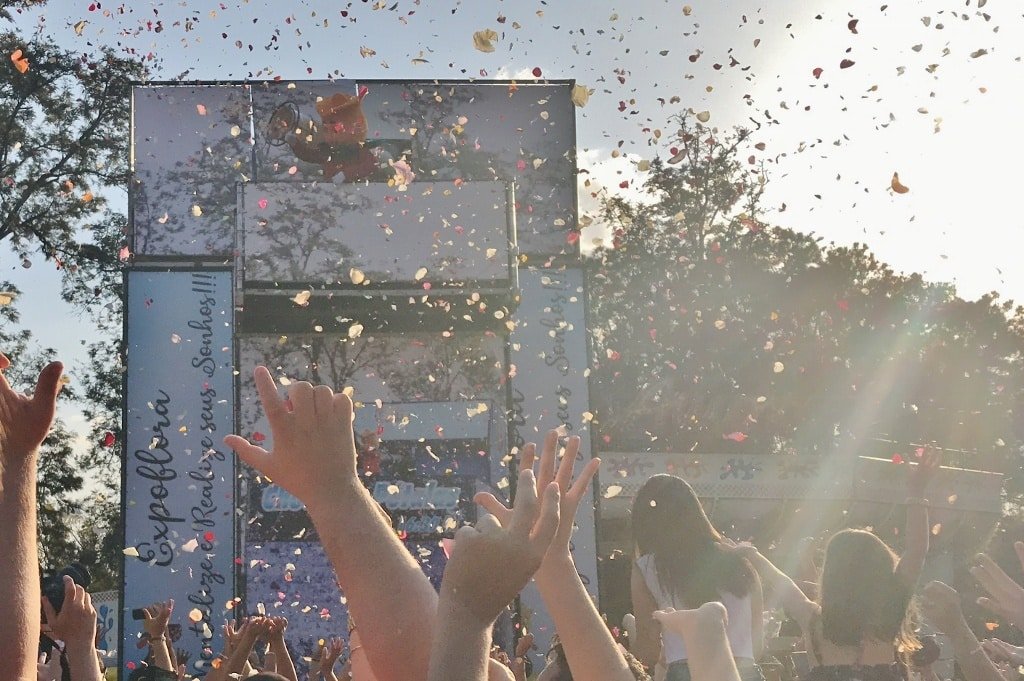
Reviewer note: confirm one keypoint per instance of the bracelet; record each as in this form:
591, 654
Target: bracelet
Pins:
157, 639
916, 501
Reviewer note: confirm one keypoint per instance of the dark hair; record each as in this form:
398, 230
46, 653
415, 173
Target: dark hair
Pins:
564, 673
266, 676
670, 524
862, 596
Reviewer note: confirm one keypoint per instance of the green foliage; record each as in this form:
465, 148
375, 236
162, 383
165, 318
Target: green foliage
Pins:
63, 137
724, 325
63, 143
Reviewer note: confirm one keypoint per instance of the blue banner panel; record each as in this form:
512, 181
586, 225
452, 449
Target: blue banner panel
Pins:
550, 390
178, 478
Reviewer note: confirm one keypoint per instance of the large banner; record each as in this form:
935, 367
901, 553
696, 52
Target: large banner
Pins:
178, 479
549, 390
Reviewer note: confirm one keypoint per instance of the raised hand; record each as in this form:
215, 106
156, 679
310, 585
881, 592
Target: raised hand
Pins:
493, 561
156, 618
572, 493
1001, 651
314, 450
25, 420
232, 632
329, 654
1006, 597
921, 474
277, 626
940, 603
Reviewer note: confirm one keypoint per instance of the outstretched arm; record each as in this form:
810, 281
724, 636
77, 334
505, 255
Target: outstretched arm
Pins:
285, 666
589, 647
941, 605
783, 590
490, 564
1005, 597
330, 651
314, 458
155, 623
24, 424
918, 530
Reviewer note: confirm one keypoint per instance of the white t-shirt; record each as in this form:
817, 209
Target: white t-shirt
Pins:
739, 628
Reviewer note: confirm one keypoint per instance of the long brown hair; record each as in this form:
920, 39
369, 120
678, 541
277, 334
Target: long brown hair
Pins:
669, 523
862, 596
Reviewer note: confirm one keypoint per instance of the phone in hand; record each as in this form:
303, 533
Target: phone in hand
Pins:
139, 614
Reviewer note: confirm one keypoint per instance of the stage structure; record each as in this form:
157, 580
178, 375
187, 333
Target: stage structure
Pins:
416, 241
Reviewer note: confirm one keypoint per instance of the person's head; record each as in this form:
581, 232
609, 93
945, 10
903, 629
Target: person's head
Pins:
557, 667
266, 676
862, 597
669, 524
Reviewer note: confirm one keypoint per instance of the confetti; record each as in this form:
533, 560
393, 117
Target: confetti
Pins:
420, 273
356, 276
7, 297
197, 211
778, 367
355, 331
898, 186
131, 552
195, 615
580, 95
482, 40
302, 298
612, 491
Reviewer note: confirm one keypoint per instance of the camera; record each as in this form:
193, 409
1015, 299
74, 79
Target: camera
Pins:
53, 585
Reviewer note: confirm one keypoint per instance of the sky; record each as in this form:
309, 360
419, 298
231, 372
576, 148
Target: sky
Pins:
933, 94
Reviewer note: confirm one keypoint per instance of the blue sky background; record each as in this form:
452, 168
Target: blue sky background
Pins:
934, 95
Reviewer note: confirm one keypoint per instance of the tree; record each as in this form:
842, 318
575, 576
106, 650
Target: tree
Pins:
63, 142
743, 337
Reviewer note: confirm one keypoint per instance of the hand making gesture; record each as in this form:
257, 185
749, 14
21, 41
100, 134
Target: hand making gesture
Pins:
314, 450
25, 419
494, 560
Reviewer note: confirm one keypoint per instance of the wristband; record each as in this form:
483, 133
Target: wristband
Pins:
156, 639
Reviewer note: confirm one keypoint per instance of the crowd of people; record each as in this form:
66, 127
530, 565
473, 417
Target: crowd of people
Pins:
698, 597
